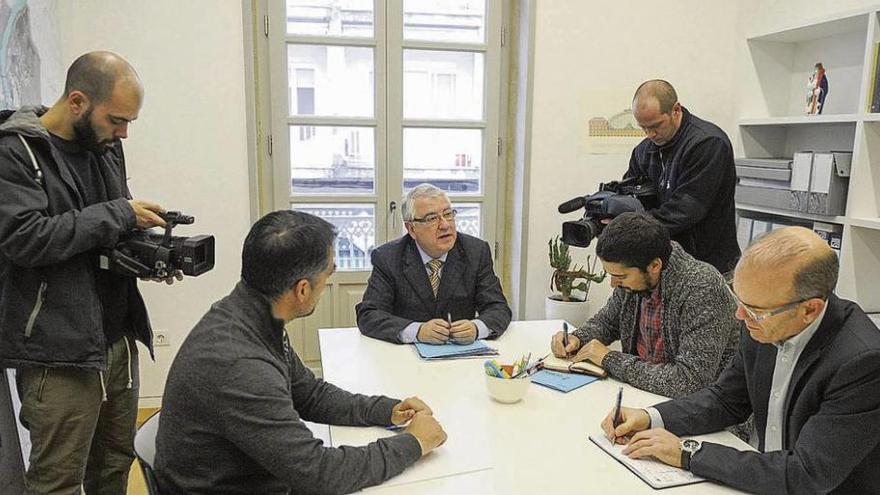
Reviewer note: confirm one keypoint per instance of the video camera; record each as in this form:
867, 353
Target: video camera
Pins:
612, 199
146, 254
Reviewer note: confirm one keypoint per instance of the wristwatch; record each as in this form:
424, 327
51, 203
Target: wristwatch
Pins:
689, 447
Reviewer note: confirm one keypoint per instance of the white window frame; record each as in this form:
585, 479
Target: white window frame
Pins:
387, 120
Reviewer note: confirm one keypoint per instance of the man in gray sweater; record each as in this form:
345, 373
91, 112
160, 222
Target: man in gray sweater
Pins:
237, 394
672, 313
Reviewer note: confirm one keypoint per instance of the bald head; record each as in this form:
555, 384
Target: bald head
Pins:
655, 90
799, 251
96, 74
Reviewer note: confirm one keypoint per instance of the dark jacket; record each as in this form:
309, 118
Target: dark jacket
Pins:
831, 425
233, 411
699, 329
399, 293
695, 178
50, 312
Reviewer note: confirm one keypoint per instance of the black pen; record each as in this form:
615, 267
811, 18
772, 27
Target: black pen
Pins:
616, 420
565, 337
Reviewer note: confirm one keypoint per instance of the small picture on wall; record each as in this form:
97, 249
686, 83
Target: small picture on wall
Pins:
611, 128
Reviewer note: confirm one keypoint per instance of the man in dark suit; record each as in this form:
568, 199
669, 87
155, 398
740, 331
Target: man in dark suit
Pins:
432, 285
810, 373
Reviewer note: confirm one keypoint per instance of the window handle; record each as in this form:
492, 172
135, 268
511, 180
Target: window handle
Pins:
392, 207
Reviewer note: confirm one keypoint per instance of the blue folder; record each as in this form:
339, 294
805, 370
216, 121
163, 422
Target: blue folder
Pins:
563, 382
450, 350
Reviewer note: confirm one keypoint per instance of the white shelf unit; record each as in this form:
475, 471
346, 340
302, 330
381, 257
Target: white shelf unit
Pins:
772, 124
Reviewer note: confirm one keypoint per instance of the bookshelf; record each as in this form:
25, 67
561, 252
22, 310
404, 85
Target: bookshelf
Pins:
772, 124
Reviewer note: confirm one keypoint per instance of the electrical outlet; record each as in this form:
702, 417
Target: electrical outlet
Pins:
160, 339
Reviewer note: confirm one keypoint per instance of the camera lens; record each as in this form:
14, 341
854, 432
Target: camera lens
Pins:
580, 233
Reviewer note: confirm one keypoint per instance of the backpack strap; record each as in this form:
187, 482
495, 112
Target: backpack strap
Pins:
38, 173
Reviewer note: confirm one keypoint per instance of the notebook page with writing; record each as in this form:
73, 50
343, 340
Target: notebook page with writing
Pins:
652, 472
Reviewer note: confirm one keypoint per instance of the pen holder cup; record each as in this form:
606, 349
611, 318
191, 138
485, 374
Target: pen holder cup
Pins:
507, 390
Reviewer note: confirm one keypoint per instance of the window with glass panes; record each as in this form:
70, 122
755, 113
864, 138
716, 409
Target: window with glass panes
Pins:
381, 96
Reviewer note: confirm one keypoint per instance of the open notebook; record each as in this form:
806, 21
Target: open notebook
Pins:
554, 363
652, 472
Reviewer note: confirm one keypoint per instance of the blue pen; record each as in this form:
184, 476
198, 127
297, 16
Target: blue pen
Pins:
565, 337
616, 420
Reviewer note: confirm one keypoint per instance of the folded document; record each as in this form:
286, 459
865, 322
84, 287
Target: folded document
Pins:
450, 350
563, 382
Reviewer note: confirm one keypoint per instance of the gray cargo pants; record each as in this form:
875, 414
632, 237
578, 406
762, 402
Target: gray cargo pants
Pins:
81, 423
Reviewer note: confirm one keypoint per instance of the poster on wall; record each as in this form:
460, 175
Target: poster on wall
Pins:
30, 61
610, 127
30, 74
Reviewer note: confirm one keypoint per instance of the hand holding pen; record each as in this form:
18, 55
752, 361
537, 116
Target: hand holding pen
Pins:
564, 344
461, 331
434, 331
629, 422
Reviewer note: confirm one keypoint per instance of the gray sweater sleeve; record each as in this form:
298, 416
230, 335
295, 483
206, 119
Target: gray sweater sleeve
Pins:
261, 419
704, 327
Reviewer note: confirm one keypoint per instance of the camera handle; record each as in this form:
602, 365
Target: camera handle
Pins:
173, 219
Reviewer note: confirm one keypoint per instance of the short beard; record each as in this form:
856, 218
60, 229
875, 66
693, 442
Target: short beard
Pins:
648, 287
85, 134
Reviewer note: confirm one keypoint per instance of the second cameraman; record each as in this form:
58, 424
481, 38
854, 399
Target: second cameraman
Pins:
68, 327
690, 161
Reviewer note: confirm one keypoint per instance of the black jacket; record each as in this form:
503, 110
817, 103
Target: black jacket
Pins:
695, 177
399, 293
50, 312
831, 439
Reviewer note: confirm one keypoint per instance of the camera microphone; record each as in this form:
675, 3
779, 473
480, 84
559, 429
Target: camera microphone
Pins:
572, 204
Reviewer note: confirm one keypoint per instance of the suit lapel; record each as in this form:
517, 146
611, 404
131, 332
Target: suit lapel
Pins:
450, 278
416, 274
826, 331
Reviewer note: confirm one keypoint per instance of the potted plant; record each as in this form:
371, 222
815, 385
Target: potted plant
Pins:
561, 304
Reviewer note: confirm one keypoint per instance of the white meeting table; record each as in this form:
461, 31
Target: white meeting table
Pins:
538, 445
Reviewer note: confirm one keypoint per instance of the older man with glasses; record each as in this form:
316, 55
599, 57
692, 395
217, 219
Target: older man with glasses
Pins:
434, 284
810, 373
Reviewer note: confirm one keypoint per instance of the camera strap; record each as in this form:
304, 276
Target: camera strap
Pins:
38, 173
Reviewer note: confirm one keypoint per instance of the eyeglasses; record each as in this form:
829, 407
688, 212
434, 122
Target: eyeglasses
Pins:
758, 314
433, 219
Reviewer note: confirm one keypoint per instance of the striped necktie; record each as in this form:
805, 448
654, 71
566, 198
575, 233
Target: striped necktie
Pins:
434, 276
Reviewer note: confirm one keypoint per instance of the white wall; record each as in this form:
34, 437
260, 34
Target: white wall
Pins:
187, 150
601, 46
759, 16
